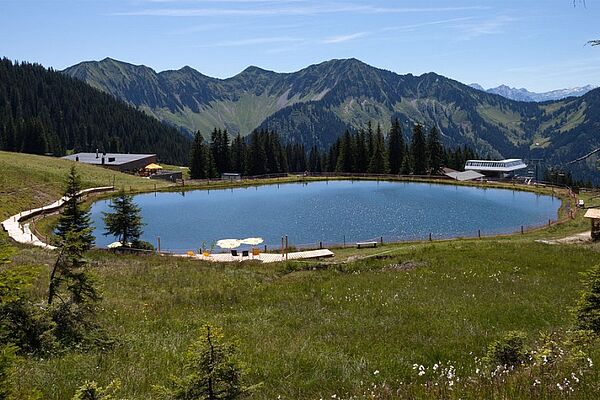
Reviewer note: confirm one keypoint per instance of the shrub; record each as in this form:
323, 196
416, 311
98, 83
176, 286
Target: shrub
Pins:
142, 245
509, 350
7, 357
90, 390
587, 311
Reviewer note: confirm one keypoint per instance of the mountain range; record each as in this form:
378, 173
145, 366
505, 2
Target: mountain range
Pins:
316, 104
523, 94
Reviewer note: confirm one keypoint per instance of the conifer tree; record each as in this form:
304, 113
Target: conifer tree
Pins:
224, 152
73, 217
211, 165
587, 311
76, 289
213, 370
314, 160
345, 156
370, 141
257, 158
332, 156
361, 153
215, 147
273, 151
34, 137
418, 151
378, 162
435, 151
395, 147
405, 169
238, 154
198, 158
125, 222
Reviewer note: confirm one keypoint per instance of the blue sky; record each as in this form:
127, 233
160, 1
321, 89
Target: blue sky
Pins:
535, 44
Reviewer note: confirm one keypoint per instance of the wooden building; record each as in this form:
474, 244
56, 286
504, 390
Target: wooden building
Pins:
594, 215
116, 161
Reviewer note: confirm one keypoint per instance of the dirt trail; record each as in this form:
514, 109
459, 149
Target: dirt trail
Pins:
577, 238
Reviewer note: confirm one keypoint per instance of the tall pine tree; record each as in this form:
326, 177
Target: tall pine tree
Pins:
435, 151
198, 158
378, 163
395, 148
418, 151
345, 159
238, 154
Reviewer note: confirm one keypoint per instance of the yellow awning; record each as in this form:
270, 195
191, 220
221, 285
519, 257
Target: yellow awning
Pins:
153, 166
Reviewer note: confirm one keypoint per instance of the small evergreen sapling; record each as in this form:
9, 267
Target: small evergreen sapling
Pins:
214, 372
587, 311
73, 216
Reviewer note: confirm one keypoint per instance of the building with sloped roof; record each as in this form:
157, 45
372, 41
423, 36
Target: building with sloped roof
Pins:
115, 161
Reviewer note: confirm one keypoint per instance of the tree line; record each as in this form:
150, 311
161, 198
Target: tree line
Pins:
366, 150
44, 111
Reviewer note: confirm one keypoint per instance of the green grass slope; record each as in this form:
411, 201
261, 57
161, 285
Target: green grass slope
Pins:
306, 330
29, 181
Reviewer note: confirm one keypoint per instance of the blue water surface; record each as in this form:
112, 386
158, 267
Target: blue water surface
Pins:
331, 212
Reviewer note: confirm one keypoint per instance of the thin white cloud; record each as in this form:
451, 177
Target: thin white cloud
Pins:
482, 27
344, 38
412, 27
308, 9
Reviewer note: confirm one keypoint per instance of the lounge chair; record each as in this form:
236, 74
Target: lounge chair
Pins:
244, 253
234, 253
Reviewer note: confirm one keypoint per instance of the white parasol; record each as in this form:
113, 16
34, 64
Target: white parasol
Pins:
229, 243
252, 241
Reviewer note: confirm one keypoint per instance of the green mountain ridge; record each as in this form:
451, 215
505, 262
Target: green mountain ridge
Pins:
315, 104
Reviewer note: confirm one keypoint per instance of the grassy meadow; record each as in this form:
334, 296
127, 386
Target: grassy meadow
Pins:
352, 326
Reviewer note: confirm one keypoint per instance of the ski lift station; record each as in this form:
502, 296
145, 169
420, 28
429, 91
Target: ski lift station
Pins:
501, 168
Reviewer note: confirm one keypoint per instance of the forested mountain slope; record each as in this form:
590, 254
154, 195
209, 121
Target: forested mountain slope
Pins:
43, 111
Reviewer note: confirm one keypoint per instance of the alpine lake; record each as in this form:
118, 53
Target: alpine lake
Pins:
331, 212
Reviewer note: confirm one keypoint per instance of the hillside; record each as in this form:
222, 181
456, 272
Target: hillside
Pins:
30, 181
314, 106
330, 325
43, 111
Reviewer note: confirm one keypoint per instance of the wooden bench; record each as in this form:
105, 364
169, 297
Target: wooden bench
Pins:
366, 244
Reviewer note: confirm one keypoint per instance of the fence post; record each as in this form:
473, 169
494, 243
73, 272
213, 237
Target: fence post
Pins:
158, 242
522, 229
479, 233
286, 247
344, 240
382, 240
265, 248
430, 236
